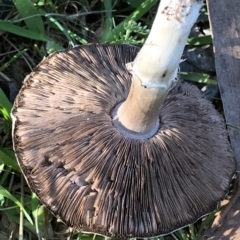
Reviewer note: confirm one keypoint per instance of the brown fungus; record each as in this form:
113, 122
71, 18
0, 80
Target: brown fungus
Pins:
118, 154
97, 179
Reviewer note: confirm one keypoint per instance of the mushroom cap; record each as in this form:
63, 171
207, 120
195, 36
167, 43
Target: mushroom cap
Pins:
96, 179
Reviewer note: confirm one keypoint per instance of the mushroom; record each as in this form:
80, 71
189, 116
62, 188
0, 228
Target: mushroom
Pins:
123, 153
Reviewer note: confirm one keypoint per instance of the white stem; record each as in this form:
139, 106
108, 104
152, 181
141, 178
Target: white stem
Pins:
157, 62
155, 68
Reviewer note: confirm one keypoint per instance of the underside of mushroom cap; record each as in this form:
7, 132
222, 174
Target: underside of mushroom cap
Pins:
95, 178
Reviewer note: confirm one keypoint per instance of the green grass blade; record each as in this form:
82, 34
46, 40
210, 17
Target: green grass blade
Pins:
192, 231
69, 34
76, 37
60, 27
86, 236
108, 36
5, 106
233, 126
7, 157
38, 213
4, 173
15, 219
197, 41
10, 27
13, 59
53, 46
26, 10
34, 205
41, 221
207, 221
135, 3
79, 236
5, 193
108, 15
198, 77
181, 235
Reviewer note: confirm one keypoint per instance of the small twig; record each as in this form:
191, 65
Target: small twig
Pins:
11, 235
13, 207
6, 53
5, 77
71, 16
26, 60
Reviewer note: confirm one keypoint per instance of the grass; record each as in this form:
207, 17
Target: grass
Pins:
29, 31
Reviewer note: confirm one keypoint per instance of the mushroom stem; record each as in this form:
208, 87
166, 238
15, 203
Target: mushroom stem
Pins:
155, 68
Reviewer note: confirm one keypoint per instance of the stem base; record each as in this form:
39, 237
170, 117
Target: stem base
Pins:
133, 134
